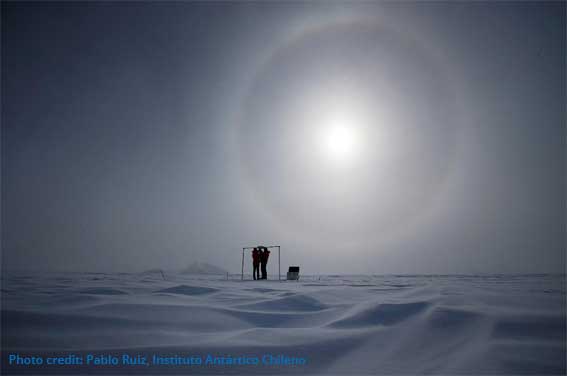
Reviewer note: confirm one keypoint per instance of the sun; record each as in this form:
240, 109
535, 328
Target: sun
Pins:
339, 138
340, 142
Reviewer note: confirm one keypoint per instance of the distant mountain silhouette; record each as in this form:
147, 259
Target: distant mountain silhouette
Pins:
153, 271
203, 268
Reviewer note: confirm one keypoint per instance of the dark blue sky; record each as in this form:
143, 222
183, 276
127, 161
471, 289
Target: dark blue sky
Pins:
141, 135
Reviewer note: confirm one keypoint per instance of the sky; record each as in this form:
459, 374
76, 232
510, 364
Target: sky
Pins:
380, 138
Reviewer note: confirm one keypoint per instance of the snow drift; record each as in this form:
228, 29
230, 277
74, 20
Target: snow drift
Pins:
339, 324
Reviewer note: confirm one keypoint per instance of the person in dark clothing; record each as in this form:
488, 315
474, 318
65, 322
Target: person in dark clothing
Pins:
264, 255
256, 263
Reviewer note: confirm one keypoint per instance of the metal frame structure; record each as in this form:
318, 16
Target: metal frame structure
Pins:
279, 260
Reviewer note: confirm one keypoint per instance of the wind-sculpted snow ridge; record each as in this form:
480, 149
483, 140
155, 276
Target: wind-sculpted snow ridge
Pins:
298, 303
381, 314
341, 325
187, 290
102, 291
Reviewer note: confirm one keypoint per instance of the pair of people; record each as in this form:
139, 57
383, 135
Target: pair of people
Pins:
260, 257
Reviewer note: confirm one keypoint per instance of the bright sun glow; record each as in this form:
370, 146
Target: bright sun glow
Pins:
340, 142
339, 139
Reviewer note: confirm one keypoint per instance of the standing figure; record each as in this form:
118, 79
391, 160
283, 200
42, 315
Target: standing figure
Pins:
256, 263
264, 261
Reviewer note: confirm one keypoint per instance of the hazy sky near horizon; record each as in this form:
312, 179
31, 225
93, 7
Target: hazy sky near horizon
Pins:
363, 137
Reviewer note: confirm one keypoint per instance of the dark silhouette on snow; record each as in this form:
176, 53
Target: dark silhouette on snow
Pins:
264, 255
256, 263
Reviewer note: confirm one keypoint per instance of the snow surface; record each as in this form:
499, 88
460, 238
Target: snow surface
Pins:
491, 324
